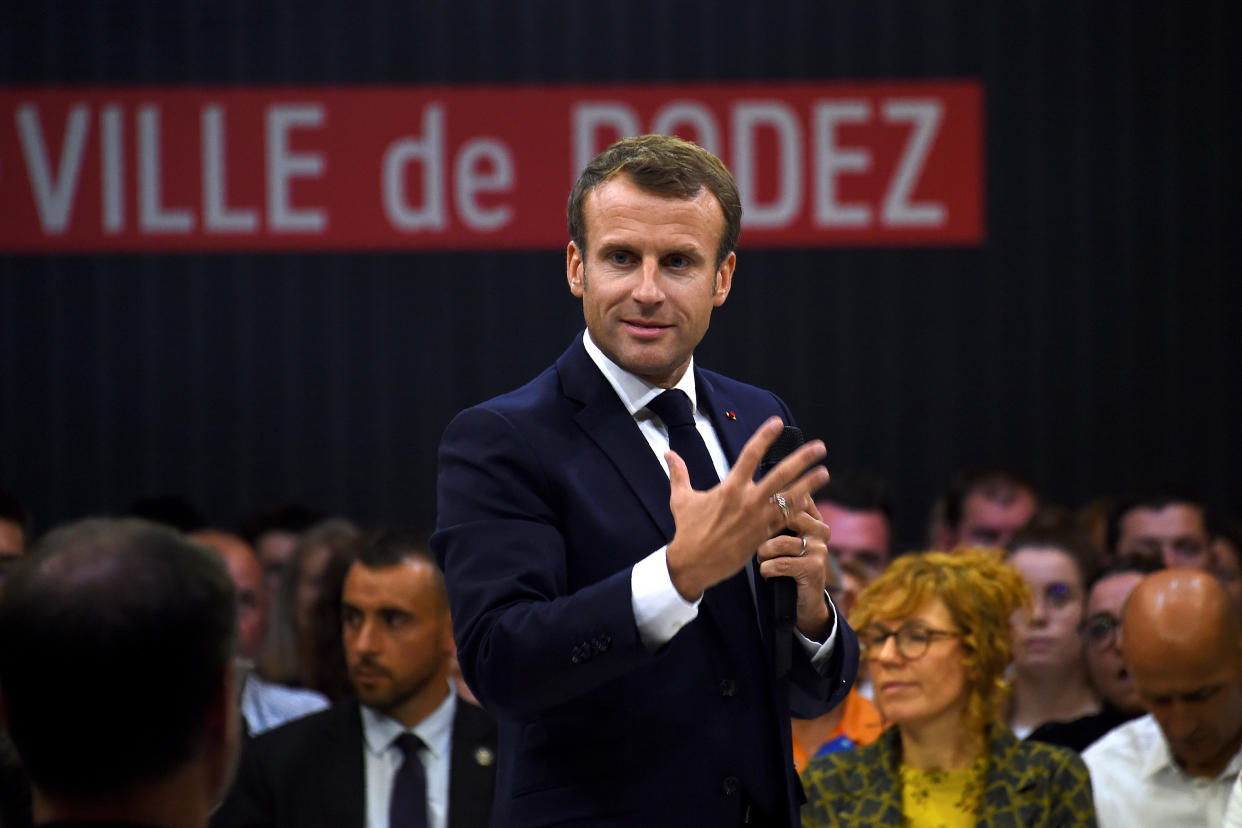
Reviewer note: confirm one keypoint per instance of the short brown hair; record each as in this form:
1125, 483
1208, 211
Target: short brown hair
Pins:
666, 166
980, 592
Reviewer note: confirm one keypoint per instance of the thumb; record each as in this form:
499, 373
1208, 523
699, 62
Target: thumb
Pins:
678, 474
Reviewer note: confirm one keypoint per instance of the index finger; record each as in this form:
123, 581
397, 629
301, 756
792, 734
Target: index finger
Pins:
792, 477
756, 447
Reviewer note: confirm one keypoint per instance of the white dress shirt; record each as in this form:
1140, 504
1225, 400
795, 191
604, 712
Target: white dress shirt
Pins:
1138, 783
659, 610
1233, 812
382, 759
266, 705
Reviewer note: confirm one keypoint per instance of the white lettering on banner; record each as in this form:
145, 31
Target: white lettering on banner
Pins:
153, 217
747, 117
467, 182
112, 174
587, 121
54, 192
831, 160
898, 211
429, 150
217, 217
283, 165
696, 115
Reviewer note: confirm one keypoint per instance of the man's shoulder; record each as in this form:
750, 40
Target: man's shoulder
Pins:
1126, 744
473, 721
337, 722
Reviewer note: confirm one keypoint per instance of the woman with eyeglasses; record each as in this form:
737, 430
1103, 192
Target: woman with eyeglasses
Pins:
935, 633
1050, 681
1101, 642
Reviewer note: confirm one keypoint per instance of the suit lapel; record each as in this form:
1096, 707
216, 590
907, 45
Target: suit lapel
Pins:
734, 425
472, 767
606, 421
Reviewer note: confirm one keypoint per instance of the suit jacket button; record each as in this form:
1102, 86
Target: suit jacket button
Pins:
730, 785
601, 642
728, 688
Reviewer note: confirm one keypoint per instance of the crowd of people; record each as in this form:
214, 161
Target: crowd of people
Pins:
641, 606
1000, 654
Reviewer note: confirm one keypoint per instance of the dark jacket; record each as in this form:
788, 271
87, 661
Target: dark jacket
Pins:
547, 498
310, 773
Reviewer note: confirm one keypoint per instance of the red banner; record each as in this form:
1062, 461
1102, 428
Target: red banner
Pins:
469, 167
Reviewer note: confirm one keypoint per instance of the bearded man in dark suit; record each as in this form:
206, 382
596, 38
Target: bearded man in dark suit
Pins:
343, 767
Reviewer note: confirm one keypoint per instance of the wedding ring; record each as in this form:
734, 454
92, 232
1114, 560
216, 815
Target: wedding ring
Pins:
803, 552
784, 506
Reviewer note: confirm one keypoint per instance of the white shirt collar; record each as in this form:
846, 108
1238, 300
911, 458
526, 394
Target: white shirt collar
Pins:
1159, 759
636, 392
436, 731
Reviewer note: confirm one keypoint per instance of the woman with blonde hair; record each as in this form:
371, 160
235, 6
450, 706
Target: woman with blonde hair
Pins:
935, 633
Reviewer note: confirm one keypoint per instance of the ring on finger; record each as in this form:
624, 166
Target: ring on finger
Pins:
782, 504
803, 552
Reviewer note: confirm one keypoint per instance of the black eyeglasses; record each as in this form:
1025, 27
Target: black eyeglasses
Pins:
912, 640
1100, 630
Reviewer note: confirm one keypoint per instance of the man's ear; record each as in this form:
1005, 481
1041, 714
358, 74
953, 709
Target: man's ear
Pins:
724, 280
575, 270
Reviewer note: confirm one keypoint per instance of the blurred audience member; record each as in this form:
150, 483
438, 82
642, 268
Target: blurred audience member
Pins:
935, 631
1050, 681
264, 704
305, 644
1226, 535
855, 506
853, 722
1168, 528
1182, 645
1101, 641
985, 506
15, 531
1091, 521
272, 532
409, 744
117, 675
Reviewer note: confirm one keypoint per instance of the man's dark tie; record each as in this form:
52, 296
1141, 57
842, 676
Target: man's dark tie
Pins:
673, 407
408, 806
731, 600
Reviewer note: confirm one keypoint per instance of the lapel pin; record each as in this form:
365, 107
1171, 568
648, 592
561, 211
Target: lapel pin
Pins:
732, 415
484, 757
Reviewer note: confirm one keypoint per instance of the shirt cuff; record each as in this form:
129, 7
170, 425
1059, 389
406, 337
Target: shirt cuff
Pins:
820, 653
659, 610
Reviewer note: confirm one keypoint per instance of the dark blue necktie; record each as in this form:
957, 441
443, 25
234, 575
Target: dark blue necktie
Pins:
408, 806
731, 600
673, 407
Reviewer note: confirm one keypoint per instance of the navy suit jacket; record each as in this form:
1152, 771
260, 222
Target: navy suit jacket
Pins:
310, 773
547, 497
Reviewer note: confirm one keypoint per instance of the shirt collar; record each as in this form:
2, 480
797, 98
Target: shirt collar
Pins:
379, 730
636, 392
1160, 758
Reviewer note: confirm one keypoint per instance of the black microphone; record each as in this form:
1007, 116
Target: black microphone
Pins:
784, 589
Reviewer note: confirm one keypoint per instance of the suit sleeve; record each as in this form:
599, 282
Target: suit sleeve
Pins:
525, 643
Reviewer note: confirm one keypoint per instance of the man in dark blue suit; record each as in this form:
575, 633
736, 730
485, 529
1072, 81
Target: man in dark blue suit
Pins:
610, 594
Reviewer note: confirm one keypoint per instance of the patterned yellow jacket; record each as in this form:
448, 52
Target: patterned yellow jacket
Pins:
1027, 784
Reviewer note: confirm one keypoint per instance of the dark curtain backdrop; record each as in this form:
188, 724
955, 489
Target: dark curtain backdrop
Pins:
1090, 341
